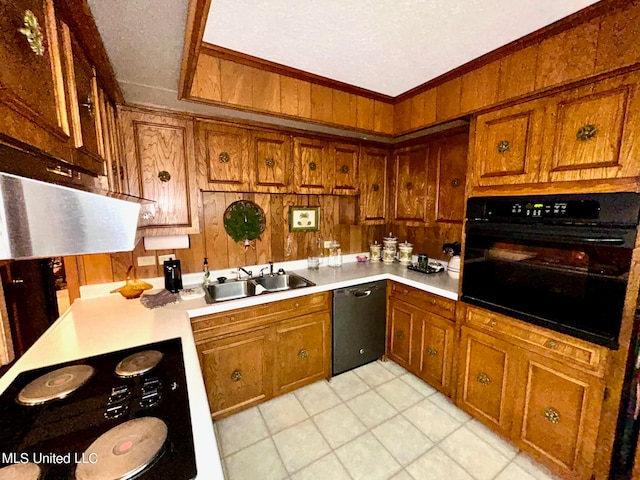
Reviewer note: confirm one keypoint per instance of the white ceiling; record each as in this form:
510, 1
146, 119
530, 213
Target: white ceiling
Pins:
387, 46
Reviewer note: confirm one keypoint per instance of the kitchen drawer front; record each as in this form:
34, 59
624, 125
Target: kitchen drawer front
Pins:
551, 344
233, 321
427, 301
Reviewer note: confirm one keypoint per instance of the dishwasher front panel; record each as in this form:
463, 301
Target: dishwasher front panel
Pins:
359, 321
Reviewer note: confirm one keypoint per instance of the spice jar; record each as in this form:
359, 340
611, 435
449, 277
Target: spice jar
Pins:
375, 250
406, 249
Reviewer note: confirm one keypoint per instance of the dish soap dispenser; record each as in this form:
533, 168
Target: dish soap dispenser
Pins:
205, 272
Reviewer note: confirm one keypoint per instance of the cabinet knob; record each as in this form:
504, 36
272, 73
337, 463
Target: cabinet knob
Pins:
224, 157
236, 376
270, 162
312, 166
376, 187
302, 354
164, 176
586, 133
89, 104
551, 344
455, 182
400, 334
503, 146
344, 169
409, 185
483, 379
31, 31
492, 323
432, 352
297, 304
551, 415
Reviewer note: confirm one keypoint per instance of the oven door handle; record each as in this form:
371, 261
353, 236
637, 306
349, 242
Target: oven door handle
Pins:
614, 240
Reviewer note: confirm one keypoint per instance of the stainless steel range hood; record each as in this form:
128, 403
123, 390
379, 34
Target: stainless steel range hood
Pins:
41, 219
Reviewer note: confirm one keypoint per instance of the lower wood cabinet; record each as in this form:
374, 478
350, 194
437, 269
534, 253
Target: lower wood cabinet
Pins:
420, 334
543, 396
251, 355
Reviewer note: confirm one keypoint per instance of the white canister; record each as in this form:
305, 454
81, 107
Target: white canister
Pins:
375, 250
406, 250
388, 254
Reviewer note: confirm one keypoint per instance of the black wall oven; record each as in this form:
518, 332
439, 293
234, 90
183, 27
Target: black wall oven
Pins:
561, 262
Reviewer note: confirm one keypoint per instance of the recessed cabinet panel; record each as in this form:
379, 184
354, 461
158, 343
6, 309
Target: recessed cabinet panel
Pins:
374, 166
451, 166
400, 332
271, 162
410, 185
345, 157
311, 165
223, 157
436, 352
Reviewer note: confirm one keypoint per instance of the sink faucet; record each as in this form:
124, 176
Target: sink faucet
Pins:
270, 267
248, 272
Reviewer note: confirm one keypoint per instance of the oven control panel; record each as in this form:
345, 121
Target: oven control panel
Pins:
582, 209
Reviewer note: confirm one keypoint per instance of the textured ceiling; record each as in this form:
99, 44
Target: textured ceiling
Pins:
387, 46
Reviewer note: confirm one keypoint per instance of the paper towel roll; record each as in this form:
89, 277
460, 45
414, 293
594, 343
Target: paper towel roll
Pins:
167, 242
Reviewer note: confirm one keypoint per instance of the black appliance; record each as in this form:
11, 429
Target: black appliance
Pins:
123, 414
172, 276
359, 319
561, 261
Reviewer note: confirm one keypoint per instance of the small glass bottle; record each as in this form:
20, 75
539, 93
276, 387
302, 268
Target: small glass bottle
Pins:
205, 272
335, 255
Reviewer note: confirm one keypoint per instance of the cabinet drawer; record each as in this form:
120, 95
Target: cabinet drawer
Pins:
551, 344
233, 321
427, 301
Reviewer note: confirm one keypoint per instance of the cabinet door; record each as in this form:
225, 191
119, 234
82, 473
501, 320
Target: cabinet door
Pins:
560, 415
345, 168
115, 167
374, 165
411, 186
592, 130
271, 162
160, 166
486, 379
302, 352
31, 81
436, 351
400, 327
450, 161
223, 157
311, 166
507, 145
236, 371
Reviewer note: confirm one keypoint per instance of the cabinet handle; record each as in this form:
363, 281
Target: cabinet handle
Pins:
492, 323
32, 32
432, 352
224, 157
551, 415
236, 376
400, 334
587, 132
270, 162
344, 169
409, 185
312, 166
551, 344
503, 146
302, 354
164, 176
483, 379
376, 187
89, 105
297, 304
455, 182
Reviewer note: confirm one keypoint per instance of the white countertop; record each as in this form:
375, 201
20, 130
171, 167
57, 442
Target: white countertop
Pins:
101, 324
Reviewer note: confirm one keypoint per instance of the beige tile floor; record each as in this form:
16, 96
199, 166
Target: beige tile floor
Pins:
376, 422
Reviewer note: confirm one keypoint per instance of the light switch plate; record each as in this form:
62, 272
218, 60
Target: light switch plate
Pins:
149, 260
164, 258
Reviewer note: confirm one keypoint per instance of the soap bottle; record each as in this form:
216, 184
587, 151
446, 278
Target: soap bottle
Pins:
205, 272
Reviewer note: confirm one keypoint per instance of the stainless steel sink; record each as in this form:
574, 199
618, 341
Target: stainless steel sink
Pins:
235, 289
287, 281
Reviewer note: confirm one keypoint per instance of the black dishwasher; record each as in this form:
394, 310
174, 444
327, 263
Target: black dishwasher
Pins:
359, 319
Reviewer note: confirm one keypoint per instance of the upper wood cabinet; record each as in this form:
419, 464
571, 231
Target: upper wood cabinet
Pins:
345, 167
410, 186
32, 90
159, 152
449, 159
312, 169
271, 162
222, 156
374, 187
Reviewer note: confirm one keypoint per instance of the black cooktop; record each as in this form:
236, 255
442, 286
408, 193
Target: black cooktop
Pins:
142, 387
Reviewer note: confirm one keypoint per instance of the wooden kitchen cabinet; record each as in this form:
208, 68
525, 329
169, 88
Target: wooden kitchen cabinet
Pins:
114, 161
410, 186
374, 186
236, 371
420, 334
160, 160
449, 161
346, 163
276, 348
312, 169
301, 347
271, 162
223, 157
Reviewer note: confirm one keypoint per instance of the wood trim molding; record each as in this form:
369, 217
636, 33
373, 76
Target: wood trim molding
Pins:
194, 30
77, 14
255, 62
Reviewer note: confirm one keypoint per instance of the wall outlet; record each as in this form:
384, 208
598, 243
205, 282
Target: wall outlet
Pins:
327, 244
164, 258
148, 261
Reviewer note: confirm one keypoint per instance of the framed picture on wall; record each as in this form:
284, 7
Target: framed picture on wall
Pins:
304, 219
